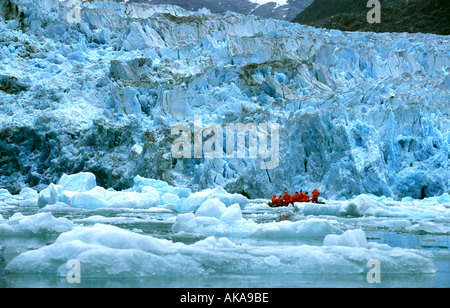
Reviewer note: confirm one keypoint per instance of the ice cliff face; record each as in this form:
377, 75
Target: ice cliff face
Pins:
358, 112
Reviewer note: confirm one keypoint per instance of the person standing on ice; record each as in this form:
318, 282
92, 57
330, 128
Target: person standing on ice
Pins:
315, 197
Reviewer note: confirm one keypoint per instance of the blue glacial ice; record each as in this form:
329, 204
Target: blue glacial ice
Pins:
360, 113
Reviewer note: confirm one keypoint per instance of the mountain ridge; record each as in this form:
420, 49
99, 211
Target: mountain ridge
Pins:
410, 16
265, 9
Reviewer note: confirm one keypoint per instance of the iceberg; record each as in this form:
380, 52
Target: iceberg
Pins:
162, 187
211, 208
80, 191
80, 182
196, 199
350, 238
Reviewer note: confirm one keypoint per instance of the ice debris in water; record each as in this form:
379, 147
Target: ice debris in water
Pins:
37, 223
350, 238
213, 218
111, 251
80, 191
372, 206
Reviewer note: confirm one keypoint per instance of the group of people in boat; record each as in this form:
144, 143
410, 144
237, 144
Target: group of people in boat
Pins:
297, 197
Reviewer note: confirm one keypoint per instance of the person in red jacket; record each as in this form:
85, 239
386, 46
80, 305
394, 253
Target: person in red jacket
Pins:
279, 200
315, 197
274, 199
286, 197
295, 197
306, 197
300, 196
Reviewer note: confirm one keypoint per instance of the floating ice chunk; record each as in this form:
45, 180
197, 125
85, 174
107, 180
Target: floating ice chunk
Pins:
184, 222
407, 199
350, 238
214, 219
50, 195
169, 198
272, 261
92, 199
29, 193
132, 200
358, 206
231, 214
4, 194
80, 182
391, 224
257, 207
100, 198
318, 209
4, 226
213, 242
150, 191
211, 208
193, 202
58, 206
429, 227
444, 199
365, 205
312, 227
40, 222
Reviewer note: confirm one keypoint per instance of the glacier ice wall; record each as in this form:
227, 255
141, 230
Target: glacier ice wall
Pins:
358, 112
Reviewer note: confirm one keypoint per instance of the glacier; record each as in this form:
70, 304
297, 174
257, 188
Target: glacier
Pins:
360, 113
